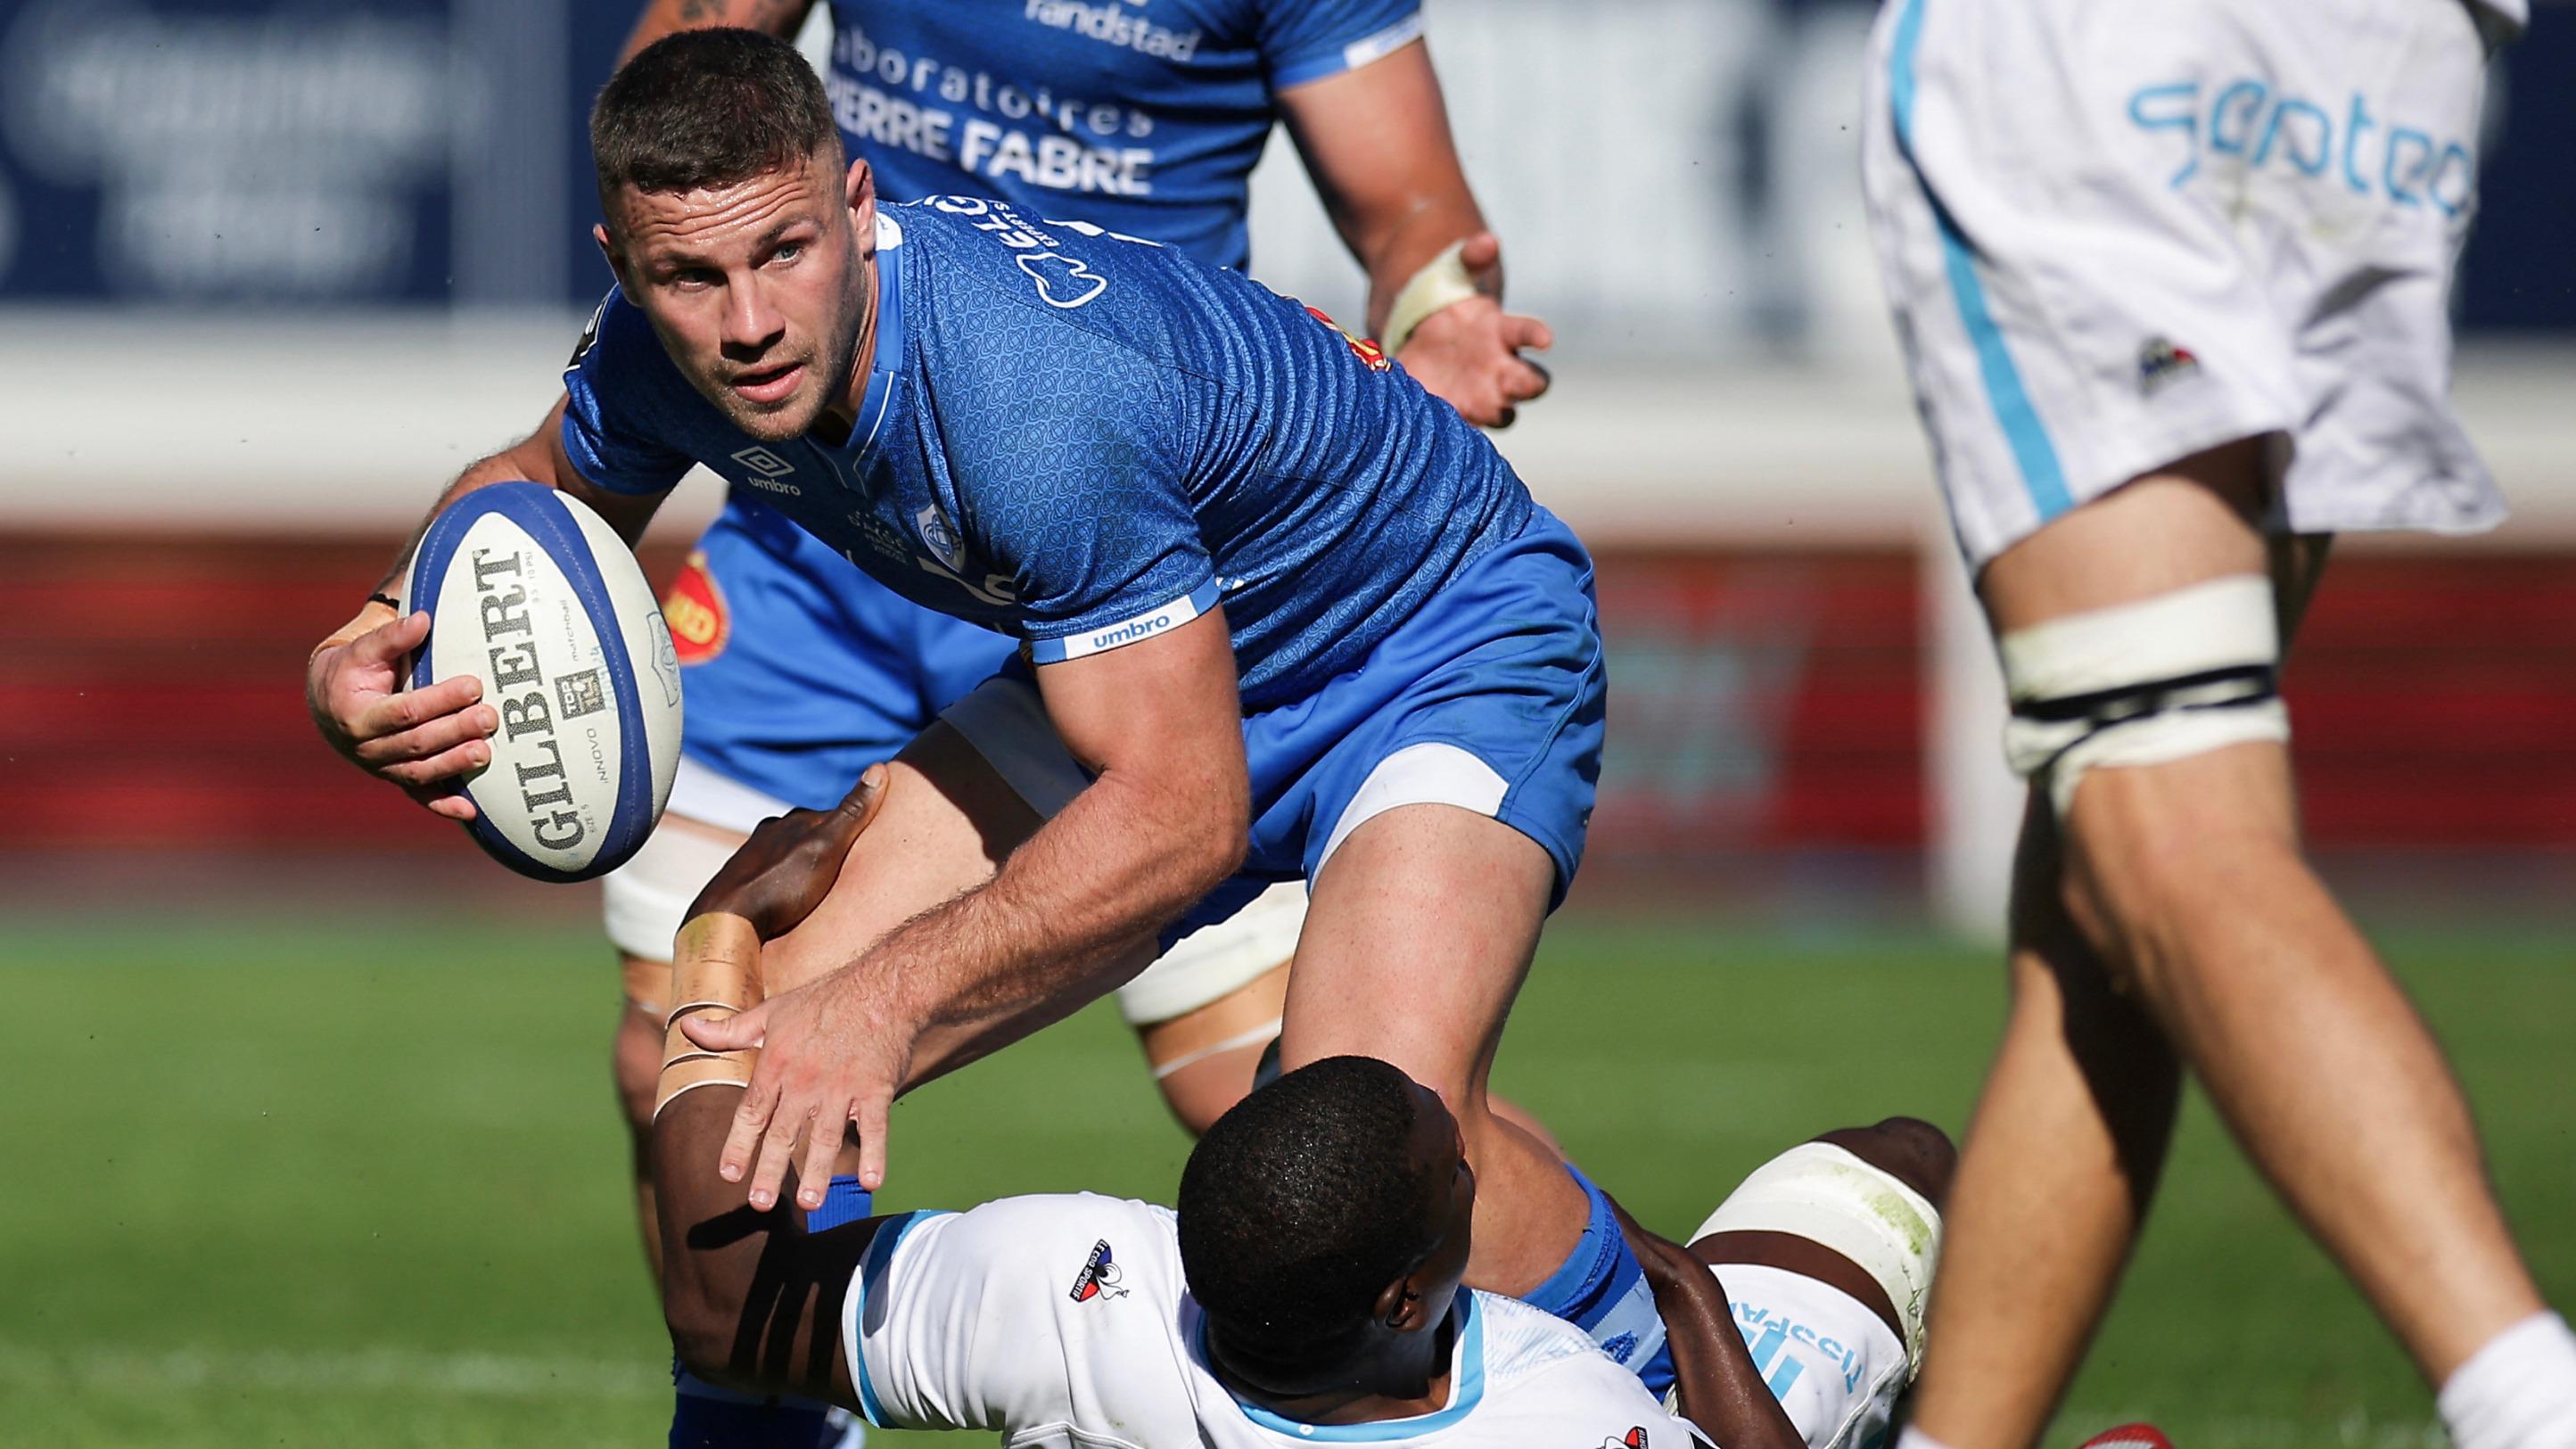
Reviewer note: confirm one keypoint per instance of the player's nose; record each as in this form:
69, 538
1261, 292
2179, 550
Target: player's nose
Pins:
751, 321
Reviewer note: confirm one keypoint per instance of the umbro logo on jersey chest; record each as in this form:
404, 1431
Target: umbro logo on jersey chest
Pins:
767, 471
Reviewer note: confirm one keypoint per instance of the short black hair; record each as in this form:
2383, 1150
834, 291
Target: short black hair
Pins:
706, 108
1301, 1204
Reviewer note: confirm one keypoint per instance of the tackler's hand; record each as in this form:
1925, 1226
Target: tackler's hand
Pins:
1468, 352
832, 1055
419, 739
778, 876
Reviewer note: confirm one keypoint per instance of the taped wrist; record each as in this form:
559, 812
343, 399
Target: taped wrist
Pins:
2167, 677
1442, 282
378, 611
715, 975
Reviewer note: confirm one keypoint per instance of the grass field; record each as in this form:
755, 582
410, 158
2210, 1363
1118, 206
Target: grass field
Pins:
321, 1184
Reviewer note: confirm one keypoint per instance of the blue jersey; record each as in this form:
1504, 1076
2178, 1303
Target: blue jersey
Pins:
1141, 115
1082, 440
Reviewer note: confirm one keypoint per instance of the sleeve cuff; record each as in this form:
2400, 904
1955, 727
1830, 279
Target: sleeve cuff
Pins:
1351, 56
1100, 639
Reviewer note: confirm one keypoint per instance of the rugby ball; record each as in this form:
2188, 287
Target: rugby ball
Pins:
535, 595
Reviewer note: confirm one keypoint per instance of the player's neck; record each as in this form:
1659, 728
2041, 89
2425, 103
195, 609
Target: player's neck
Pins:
1395, 1376
840, 416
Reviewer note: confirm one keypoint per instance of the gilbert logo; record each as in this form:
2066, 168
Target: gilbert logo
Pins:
768, 470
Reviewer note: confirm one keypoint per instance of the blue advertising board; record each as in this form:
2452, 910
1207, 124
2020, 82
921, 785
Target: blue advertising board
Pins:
370, 152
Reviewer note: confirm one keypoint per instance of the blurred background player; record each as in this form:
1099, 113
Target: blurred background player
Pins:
800, 670
2176, 313
1308, 1289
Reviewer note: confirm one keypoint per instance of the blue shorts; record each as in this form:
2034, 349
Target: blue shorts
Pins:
799, 670
1490, 698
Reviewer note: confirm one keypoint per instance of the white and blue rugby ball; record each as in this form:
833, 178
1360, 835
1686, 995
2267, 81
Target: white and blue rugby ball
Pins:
535, 595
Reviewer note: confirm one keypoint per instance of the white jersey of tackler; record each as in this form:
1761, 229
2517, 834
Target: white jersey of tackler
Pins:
1062, 1321
535, 595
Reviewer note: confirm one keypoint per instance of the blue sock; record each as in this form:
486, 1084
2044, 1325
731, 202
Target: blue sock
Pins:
1602, 1290
704, 1416
844, 1202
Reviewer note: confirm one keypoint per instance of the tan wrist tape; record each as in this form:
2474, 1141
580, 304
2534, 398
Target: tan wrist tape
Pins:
715, 973
1442, 282
369, 619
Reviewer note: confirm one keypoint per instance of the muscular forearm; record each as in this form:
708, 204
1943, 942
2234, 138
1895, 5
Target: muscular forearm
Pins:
1720, 1390
1054, 928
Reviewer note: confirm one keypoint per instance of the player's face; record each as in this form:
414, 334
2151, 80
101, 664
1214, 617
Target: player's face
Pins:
758, 290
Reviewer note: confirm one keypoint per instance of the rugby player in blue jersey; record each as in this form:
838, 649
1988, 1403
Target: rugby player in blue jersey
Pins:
1146, 120
1280, 615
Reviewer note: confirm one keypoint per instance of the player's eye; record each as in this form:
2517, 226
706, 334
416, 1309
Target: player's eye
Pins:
788, 252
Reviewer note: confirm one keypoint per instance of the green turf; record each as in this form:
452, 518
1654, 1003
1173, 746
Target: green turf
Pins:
320, 1184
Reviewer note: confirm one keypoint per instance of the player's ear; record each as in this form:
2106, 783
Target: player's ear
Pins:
616, 262
1399, 1305
859, 194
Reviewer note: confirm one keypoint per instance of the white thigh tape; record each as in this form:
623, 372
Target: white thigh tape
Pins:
1830, 1197
2175, 675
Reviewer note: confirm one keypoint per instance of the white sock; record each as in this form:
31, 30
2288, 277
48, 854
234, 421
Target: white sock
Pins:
1914, 1438
2518, 1392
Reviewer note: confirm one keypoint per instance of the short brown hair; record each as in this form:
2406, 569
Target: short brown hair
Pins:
707, 108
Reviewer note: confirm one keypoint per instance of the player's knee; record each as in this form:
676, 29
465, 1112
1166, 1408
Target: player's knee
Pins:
1909, 1149
704, 1328
2153, 862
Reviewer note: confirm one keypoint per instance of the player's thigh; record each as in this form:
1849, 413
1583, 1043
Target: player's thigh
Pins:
948, 821
1203, 1060
1421, 929
2191, 521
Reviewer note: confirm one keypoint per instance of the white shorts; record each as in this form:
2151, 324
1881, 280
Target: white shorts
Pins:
644, 898
2117, 234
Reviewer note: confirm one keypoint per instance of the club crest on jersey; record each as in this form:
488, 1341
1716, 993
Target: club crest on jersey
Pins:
1098, 1278
940, 537
2160, 362
1361, 348
695, 609
1063, 282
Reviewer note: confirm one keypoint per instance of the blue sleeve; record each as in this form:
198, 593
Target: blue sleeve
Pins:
1080, 495
618, 387
1307, 40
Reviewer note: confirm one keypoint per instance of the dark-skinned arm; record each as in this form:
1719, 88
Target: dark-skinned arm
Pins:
1720, 1390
